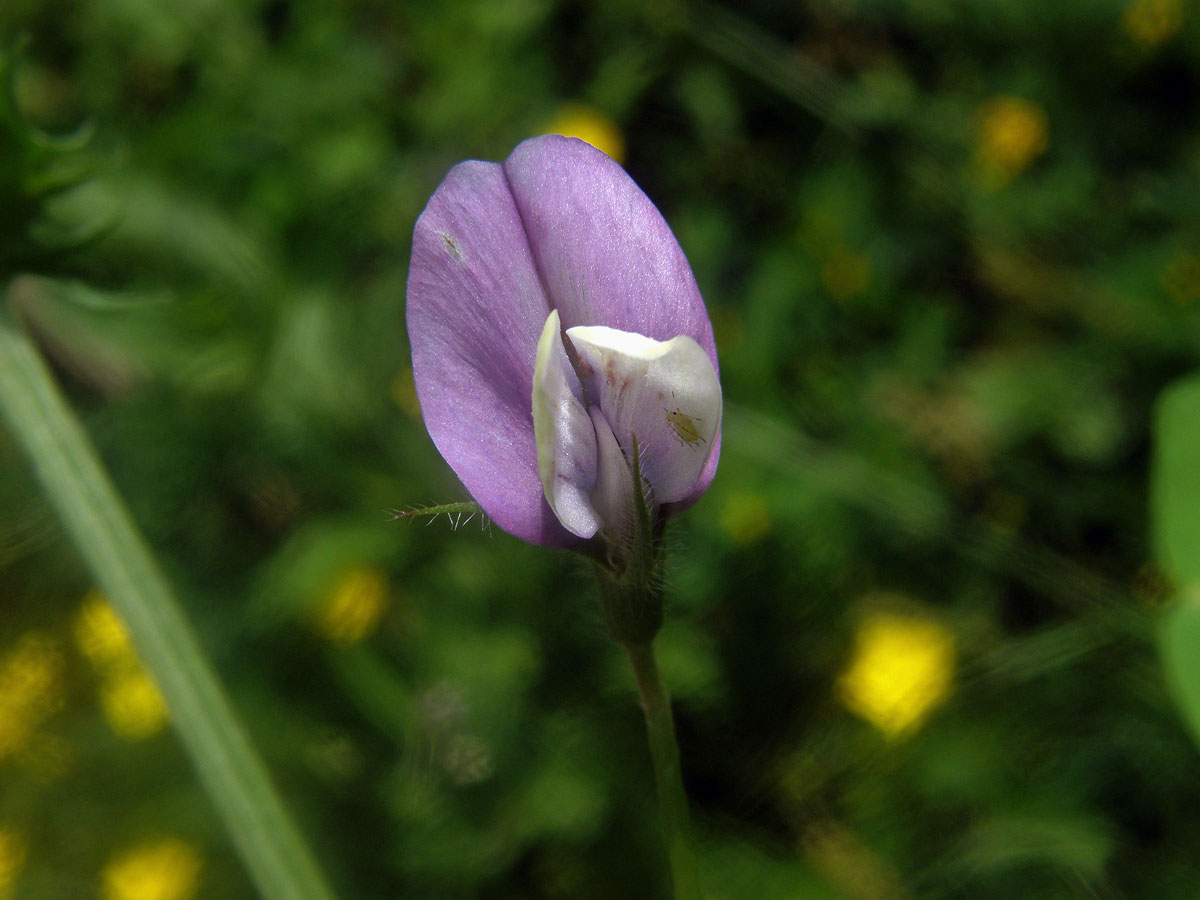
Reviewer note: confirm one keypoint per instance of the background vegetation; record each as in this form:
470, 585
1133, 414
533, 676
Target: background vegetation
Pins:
951, 253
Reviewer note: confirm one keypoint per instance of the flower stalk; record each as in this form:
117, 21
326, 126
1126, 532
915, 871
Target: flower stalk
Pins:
567, 372
668, 777
630, 573
631, 599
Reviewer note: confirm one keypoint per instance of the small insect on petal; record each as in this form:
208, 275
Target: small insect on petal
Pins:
685, 427
667, 392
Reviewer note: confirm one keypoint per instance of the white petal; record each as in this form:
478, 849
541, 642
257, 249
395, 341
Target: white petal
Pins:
566, 440
665, 392
613, 494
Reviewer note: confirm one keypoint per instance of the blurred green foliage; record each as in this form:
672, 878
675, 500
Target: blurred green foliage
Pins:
951, 252
1175, 499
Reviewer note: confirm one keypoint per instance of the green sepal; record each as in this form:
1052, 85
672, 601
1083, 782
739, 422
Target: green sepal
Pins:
631, 587
454, 513
1179, 647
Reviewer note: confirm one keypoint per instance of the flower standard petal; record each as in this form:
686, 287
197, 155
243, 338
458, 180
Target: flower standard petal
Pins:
475, 310
605, 253
566, 439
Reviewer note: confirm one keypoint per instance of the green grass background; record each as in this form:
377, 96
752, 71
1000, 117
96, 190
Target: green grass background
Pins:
940, 373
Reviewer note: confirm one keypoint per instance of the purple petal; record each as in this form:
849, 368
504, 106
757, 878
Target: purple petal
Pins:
475, 310
604, 252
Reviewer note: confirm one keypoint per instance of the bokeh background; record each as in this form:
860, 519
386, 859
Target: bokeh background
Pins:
951, 254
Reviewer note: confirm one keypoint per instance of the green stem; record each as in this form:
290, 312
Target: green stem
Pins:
664, 751
96, 519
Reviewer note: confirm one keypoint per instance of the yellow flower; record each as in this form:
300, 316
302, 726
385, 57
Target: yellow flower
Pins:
901, 670
745, 518
1151, 22
1010, 134
130, 699
589, 125
167, 869
132, 704
100, 634
353, 608
12, 859
31, 689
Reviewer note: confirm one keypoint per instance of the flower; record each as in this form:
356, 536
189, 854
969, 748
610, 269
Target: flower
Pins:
32, 688
559, 344
100, 633
13, 849
1010, 134
352, 609
133, 704
1152, 22
902, 669
129, 697
165, 869
590, 125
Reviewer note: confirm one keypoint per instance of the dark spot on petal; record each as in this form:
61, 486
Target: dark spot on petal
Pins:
451, 246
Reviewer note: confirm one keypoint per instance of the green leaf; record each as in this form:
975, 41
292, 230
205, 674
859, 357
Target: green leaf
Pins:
1175, 518
1179, 643
1175, 482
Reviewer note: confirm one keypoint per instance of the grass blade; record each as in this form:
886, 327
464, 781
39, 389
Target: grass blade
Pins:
95, 517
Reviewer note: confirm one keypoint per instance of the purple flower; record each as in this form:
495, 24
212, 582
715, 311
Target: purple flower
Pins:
554, 321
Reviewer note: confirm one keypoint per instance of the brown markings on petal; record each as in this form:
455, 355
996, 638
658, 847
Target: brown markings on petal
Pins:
451, 246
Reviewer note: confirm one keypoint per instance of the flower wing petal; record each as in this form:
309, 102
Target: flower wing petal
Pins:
566, 439
475, 310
